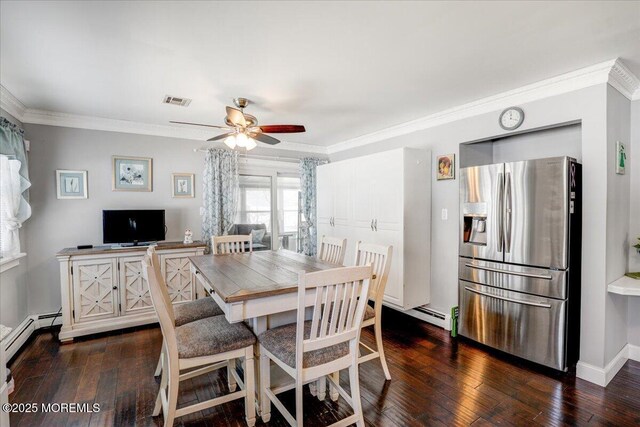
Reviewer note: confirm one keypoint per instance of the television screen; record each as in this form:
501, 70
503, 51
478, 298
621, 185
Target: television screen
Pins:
133, 226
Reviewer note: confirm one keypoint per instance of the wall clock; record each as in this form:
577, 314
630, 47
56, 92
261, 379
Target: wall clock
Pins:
511, 118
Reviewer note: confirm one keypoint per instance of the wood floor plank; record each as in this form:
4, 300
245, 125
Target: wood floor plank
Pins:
436, 380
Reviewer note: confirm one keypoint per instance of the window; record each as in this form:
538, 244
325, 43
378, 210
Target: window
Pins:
289, 212
254, 210
9, 184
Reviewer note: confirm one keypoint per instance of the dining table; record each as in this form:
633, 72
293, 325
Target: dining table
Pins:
259, 287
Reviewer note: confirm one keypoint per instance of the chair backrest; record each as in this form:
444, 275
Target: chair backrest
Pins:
233, 244
159, 296
379, 256
332, 249
338, 308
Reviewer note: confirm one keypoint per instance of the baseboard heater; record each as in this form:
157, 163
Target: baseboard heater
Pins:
430, 312
23, 328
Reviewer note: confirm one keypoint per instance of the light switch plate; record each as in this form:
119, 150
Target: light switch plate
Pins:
445, 214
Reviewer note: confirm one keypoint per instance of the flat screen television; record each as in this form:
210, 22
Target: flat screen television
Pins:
133, 226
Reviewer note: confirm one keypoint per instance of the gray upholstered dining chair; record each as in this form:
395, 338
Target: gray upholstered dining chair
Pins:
313, 349
186, 312
200, 347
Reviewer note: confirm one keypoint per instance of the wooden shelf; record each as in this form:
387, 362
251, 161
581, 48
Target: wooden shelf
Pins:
625, 286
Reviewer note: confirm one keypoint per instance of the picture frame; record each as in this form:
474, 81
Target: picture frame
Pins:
621, 158
71, 184
132, 173
446, 167
182, 185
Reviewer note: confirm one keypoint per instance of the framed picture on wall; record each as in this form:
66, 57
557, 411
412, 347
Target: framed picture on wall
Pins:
132, 173
446, 167
71, 184
182, 185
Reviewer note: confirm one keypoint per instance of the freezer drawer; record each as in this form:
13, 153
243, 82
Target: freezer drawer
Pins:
527, 326
530, 280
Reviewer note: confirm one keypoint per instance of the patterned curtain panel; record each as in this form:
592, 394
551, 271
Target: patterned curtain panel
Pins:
220, 192
308, 167
14, 185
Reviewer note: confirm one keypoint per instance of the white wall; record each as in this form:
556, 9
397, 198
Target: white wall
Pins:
56, 224
617, 240
634, 218
587, 106
13, 282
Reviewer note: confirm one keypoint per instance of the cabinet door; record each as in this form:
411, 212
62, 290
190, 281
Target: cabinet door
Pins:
94, 289
387, 190
177, 275
134, 290
324, 188
342, 182
362, 184
394, 290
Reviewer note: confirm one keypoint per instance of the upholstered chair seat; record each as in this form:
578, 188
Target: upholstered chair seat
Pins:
281, 342
212, 335
196, 310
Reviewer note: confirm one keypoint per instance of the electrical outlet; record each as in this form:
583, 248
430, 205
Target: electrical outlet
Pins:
445, 214
201, 211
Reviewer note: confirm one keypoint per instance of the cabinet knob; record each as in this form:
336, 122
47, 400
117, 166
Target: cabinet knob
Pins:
115, 287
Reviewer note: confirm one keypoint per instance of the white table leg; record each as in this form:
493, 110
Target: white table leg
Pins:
259, 325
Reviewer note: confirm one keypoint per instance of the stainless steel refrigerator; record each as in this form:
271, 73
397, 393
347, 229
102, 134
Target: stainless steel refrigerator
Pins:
519, 265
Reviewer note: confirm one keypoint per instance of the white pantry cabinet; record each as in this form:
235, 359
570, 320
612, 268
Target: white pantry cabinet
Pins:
383, 198
103, 288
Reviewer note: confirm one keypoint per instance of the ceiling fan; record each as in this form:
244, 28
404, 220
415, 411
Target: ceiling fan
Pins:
242, 130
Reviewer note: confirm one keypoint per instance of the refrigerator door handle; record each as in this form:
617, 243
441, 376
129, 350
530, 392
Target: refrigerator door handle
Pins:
507, 212
517, 301
499, 210
513, 273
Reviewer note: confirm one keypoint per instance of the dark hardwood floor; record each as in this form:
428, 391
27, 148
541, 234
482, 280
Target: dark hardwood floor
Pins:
437, 380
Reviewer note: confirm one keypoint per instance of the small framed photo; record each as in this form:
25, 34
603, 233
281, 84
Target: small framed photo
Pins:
447, 167
621, 158
182, 185
71, 184
132, 173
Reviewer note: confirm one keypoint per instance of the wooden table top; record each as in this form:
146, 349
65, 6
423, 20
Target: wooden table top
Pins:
241, 277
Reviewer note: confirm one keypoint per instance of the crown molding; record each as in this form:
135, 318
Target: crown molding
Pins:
621, 78
17, 109
11, 104
612, 71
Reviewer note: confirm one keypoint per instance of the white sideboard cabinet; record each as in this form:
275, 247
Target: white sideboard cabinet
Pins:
103, 289
383, 198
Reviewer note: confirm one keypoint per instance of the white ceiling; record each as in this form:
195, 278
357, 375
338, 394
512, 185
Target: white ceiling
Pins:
341, 69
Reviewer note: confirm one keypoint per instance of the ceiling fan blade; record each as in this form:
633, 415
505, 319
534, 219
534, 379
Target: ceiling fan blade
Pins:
265, 138
200, 124
282, 128
219, 137
236, 117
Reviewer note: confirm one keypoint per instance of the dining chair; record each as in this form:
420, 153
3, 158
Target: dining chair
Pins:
185, 312
200, 346
332, 249
328, 343
380, 257
232, 244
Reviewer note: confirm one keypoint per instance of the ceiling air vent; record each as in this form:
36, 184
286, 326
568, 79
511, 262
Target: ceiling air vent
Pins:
174, 100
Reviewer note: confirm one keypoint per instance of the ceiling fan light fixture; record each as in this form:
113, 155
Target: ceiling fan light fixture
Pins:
251, 144
230, 141
241, 140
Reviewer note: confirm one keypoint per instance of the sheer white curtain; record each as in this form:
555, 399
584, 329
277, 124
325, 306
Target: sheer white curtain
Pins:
14, 209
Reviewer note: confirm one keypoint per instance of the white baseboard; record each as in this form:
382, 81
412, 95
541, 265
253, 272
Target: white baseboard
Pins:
21, 333
602, 376
634, 352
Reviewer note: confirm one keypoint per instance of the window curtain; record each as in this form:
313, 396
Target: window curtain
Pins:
220, 192
308, 167
14, 185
